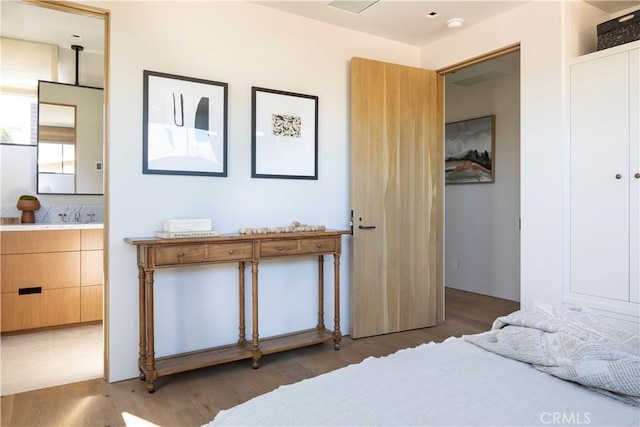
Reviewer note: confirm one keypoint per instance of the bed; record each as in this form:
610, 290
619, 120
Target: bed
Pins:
542, 366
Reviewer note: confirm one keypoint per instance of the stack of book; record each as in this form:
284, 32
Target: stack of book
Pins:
189, 227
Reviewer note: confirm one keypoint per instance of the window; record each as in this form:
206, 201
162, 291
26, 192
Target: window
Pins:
18, 119
56, 158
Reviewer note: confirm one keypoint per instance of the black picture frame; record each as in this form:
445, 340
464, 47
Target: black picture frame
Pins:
284, 134
184, 125
470, 151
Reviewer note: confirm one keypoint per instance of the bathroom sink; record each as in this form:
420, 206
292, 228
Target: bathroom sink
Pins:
51, 226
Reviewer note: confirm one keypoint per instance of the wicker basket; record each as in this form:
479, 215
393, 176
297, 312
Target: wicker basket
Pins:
621, 30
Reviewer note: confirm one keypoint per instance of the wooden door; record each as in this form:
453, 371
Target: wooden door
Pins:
397, 189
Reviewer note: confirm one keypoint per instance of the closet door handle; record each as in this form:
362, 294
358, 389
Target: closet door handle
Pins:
637, 175
366, 227
618, 176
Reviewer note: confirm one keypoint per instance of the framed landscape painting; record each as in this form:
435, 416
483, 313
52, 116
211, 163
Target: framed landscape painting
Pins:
470, 151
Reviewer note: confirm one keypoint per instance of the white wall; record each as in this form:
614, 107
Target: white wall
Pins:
244, 45
482, 240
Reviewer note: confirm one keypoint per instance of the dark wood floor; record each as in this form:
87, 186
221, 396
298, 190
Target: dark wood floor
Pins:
194, 398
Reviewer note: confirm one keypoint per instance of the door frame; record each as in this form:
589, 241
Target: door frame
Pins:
480, 58
515, 47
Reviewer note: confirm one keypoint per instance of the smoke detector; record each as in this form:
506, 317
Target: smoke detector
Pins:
455, 23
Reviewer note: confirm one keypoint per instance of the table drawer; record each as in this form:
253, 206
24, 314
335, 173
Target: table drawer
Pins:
172, 255
297, 247
279, 248
318, 246
230, 252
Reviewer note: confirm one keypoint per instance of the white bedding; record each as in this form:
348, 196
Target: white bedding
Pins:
454, 383
570, 344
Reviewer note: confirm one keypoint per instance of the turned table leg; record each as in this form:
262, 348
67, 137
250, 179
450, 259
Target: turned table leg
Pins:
150, 365
142, 352
337, 335
320, 324
242, 338
255, 348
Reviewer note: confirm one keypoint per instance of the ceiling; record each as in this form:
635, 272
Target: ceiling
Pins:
407, 21
41, 24
400, 20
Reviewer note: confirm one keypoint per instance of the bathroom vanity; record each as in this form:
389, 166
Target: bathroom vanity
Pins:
52, 274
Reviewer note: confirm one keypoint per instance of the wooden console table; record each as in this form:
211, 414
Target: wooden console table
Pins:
154, 253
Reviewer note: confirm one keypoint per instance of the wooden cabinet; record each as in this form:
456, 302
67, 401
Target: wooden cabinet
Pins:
50, 277
605, 180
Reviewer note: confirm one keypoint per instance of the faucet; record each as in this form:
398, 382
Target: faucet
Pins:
77, 216
62, 216
91, 216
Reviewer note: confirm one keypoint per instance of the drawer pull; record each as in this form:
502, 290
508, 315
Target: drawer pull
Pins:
280, 248
180, 253
27, 291
231, 251
318, 245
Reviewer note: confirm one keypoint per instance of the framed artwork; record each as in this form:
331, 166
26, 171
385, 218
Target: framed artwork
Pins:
185, 125
284, 134
469, 151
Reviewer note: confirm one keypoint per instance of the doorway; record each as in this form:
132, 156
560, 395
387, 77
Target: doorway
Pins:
482, 238
74, 353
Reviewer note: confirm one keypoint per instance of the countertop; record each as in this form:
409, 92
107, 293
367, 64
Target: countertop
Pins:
50, 226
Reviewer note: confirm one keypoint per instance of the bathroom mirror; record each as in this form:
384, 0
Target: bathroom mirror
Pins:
70, 139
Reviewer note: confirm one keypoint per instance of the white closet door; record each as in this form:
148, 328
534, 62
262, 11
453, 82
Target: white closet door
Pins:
600, 177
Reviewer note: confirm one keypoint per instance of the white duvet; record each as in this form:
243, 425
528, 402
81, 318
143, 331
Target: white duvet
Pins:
454, 383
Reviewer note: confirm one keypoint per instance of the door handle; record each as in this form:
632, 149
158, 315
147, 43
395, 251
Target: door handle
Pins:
366, 227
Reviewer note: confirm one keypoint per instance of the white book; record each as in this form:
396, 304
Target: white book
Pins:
185, 234
187, 224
